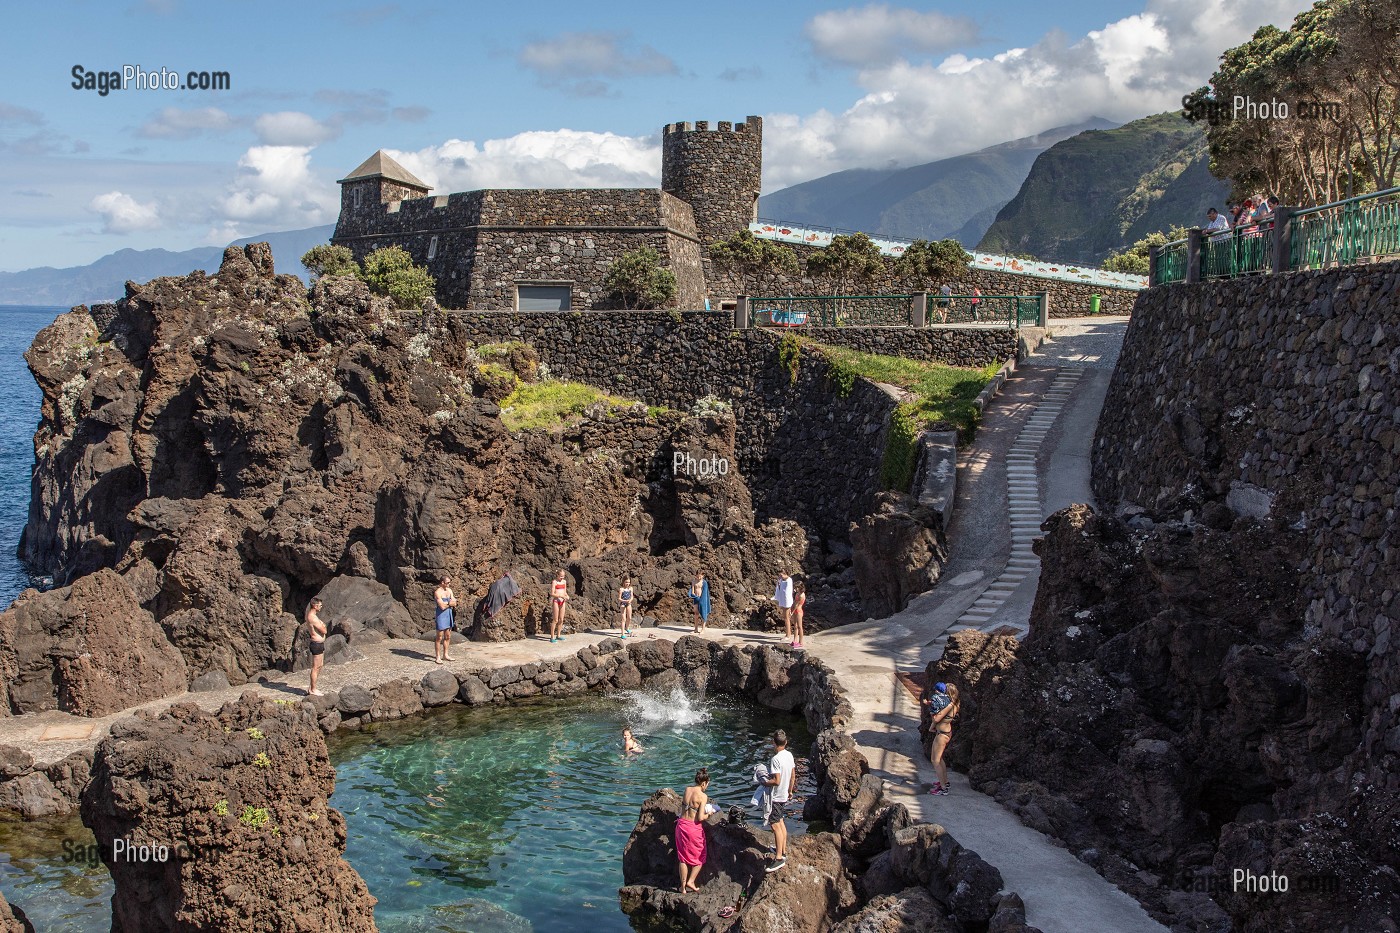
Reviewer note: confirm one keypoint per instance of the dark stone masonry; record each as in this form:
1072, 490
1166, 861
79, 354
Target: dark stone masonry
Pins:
794, 436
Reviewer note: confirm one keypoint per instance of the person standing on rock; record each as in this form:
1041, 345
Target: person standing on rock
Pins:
624, 605
783, 596
559, 602
799, 610
316, 629
690, 831
941, 724
446, 603
782, 770
700, 599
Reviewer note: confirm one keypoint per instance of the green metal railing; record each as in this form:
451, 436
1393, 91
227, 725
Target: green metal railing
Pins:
892, 310
1171, 263
1346, 232
832, 310
1243, 251
1012, 310
1342, 233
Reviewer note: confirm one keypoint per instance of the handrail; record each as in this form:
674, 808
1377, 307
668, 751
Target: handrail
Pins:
1360, 197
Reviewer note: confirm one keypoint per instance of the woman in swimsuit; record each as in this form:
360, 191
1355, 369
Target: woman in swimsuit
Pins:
942, 726
624, 605
799, 601
317, 630
690, 831
559, 594
700, 600
446, 603
629, 744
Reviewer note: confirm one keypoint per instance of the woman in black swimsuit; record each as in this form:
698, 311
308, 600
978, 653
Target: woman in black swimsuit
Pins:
624, 605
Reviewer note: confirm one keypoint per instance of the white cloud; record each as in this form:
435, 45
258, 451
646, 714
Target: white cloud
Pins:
914, 112
174, 123
292, 128
276, 188
576, 61
121, 213
545, 159
878, 32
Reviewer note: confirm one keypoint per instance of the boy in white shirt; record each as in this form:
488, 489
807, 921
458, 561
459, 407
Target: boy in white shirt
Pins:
782, 770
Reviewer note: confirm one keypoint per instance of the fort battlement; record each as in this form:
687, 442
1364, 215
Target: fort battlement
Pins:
752, 125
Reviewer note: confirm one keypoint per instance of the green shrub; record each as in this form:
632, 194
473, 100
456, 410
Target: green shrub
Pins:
390, 271
262, 760
790, 355
549, 404
256, 817
640, 280
326, 260
897, 469
221, 808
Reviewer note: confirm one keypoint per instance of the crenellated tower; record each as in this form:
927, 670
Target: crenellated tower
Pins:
718, 172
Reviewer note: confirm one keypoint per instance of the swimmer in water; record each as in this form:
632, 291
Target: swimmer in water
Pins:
629, 744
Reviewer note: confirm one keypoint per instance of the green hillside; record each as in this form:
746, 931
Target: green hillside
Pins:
956, 197
1097, 192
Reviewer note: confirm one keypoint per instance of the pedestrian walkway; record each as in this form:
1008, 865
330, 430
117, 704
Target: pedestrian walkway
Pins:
1031, 457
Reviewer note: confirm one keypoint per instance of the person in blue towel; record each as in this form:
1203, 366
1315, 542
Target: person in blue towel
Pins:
700, 599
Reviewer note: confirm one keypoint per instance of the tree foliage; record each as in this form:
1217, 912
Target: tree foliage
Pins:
1134, 259
390, 271
938, 261
326, 260
1338, 70
750, 256
850, 262
640, 280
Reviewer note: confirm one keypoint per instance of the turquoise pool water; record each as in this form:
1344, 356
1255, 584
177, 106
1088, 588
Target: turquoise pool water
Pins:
514, 819
498, 820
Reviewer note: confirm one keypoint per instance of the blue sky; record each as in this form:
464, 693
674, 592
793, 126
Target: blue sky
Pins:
545, 93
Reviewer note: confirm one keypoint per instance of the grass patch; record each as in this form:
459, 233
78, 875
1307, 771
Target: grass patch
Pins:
535, 405
943, 396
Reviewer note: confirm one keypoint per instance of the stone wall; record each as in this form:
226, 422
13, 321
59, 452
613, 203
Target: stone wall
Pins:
1279, 397
478, 245
1067, 299
793, 435
807, 452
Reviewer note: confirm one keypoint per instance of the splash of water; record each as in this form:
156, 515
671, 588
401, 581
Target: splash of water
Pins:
649, 711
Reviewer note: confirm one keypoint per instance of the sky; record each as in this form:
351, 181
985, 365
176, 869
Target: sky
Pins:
541, 94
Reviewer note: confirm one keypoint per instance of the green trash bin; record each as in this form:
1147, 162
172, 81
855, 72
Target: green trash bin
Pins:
1093, 304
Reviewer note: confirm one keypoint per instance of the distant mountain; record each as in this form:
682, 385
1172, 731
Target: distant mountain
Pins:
1097, 192
105, 279
957, 197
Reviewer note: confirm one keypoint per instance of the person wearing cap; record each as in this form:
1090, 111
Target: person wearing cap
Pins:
943, 708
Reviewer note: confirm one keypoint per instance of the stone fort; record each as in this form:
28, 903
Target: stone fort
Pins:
549, 248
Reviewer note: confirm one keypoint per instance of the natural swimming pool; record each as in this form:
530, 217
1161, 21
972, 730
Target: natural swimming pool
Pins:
494, 819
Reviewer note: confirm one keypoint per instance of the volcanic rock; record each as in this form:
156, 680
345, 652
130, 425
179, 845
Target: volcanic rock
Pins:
89, 649
12, 919
899, 552
239, 800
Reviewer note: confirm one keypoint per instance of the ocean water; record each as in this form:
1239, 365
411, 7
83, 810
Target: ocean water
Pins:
19, 416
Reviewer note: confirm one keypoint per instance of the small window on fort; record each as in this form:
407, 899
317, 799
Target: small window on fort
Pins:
542, 297
432, 248
357, 197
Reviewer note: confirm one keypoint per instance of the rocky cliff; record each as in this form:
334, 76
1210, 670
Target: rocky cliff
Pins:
215, 450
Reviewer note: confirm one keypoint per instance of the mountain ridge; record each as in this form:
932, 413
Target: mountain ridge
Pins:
954, 197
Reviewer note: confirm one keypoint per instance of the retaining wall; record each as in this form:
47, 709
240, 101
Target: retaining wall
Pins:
1278, 396
807, 452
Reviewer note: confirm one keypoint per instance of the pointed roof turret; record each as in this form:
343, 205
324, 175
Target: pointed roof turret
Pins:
382, 165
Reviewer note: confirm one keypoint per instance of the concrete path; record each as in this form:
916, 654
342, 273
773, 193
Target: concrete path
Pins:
53, 735
1031, 458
